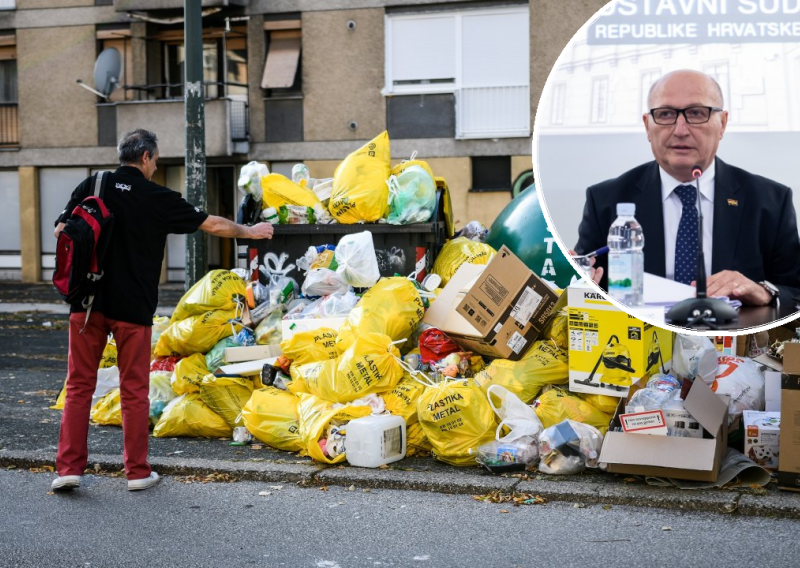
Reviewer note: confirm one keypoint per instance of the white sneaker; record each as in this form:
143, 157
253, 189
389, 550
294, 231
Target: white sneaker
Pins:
66, 483
146, 483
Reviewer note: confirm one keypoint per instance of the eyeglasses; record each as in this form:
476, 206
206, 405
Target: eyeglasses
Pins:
693, 115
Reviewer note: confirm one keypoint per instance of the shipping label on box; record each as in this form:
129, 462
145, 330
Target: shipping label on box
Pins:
609, 349
762, 437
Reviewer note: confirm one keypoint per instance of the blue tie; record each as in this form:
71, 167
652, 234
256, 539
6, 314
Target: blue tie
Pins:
686, 243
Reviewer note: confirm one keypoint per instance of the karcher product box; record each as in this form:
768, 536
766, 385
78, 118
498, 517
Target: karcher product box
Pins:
609, 349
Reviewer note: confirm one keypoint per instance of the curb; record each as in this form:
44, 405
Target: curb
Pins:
460, 482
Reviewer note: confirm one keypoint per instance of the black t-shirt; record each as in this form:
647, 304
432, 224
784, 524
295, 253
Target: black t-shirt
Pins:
144, 214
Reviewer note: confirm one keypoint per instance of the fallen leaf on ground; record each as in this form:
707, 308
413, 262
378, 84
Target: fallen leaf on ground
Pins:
607, 507
515, 499
504, 510
323, 488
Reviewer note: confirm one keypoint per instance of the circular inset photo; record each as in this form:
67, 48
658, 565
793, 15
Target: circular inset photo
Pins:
665, 146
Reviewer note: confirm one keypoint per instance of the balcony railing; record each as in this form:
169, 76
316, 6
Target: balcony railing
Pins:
9, 124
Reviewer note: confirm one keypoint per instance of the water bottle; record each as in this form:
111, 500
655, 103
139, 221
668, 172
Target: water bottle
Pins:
626, 257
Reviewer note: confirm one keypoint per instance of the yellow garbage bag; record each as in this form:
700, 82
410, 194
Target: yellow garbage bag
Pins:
458, 251
189, 374
268, 332
543, 364
557, 405
197, 333
457, 419
108, 410
314, 417
399, 168
557, 328
359, 189
108, 360
311, 346
368, 366
602, 402
392, 307
189, 416
279, 190
271, 416
226, 396
417, 443
160, 325
217, 290
402, 399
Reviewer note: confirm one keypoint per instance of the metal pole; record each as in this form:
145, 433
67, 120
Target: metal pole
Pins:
196, 257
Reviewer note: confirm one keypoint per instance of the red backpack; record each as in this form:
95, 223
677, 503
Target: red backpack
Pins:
81, 247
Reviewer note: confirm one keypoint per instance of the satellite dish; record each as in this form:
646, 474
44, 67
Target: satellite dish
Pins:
107, 71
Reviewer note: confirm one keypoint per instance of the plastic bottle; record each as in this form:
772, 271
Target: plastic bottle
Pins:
626, 257
376, 440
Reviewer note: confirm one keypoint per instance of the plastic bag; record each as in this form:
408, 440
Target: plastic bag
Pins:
323, 282
160, 392
226, 396
412, 196
333, 305
360, 193
107, 379
368, 366
694, 356
435, 345
402, 399
504, 457
457, 419
217, 290
392, 307
743, 382
271, 416
197, 334
647, 399
250, 179
216, 357
557, 405
279, 190
314, 417
296, 215
356, 262
189, 374
604, 403
189, 416
543, 364
557, 327
160, 325
107, 411
519, 418
269, 331
417, 443
311, 346
568, 447
474, 231
458, 251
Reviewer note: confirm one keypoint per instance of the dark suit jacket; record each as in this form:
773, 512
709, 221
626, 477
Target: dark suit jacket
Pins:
755, 230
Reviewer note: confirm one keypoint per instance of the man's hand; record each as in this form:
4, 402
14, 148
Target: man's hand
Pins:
59, 228
737, 286
261, 231
596, 274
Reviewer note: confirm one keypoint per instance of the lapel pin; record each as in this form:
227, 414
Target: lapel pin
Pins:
733, 203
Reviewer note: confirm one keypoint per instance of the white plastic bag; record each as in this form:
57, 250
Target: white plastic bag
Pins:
514, 414
742, 380
568, 447
323, 282
250, 179
357, 264
107, 380
694, 356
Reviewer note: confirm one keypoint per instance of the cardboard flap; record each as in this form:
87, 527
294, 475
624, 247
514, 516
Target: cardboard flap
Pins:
443, 307
710, 410
658, 451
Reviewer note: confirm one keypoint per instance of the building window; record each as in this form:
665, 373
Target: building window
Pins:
8, 4
648, 79
720, 73
599, 100
9, 124
491, 173
480, 56
119, 39
282, 80
558, 102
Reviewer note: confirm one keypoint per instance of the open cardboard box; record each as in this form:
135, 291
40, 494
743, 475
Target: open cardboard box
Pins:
696, 459
789, 462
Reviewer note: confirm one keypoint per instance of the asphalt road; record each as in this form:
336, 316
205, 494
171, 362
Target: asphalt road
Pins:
232, 524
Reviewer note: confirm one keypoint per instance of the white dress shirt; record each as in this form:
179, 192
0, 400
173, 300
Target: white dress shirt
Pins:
673, 208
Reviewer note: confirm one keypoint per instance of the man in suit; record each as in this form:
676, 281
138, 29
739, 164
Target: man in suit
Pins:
750, 239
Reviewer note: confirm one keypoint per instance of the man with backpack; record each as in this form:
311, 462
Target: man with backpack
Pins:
125, 300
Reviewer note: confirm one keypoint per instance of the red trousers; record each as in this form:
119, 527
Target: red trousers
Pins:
133, 357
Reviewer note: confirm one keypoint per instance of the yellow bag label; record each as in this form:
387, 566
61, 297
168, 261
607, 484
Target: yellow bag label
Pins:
360, 192
457, 419
189, 416
226, 396
271, 416
108, 410
402, 399
368, 366
279, 190
197, 334
189, 374
543, 364
557, 405
217, 290
392, 307
458, 251
311, 346
314, 415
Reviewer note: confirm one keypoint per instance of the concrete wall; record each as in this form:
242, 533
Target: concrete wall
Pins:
53, 110
343, 75
39, 4
255, 69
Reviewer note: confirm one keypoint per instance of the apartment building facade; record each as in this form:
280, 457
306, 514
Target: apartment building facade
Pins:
285, 82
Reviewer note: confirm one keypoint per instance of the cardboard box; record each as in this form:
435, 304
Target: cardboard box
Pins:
251, 353
609, 349
497, 310
290, 327
762, 437
789, 465
696, 459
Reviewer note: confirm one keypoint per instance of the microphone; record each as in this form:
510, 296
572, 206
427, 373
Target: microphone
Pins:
700, 278
697, 171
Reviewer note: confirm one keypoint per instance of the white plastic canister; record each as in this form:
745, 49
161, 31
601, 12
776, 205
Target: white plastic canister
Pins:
375, 440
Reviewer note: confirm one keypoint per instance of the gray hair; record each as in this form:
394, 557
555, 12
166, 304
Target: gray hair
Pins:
715, 84
134, 144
